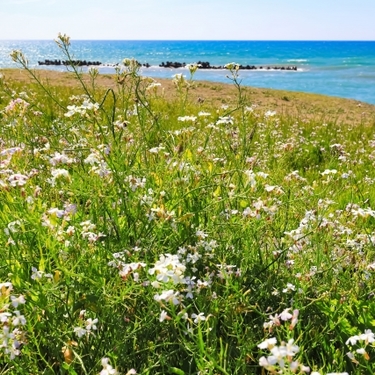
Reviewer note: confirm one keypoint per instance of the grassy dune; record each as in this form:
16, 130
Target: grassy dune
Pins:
297, 104
183, 228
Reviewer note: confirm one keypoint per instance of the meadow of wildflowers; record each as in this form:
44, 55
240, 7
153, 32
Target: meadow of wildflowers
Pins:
141, 235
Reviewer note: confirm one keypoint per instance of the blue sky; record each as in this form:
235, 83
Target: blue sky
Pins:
189, 19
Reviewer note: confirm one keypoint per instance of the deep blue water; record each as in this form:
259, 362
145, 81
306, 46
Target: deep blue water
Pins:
344, 69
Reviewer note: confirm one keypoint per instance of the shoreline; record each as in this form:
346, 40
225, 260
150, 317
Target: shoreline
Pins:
297, 104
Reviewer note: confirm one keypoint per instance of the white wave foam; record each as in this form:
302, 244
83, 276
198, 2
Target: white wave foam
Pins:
297, 60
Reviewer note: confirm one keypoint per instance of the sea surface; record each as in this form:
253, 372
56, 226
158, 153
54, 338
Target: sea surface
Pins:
336, 68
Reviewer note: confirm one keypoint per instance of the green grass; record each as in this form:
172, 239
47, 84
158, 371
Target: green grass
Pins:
146, 234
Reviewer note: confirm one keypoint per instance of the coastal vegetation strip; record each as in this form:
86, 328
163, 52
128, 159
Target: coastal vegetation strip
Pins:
146, 231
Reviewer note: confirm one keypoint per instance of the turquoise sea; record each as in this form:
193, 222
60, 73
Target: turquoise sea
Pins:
343, 69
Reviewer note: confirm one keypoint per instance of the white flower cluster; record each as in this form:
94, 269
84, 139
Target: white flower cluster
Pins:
109, 370
153, 86
148, 198
88, 325
125, 269
193, 67
252, 177
368, 337
358, 211
135, 182
179, 80
182, 131
59, 158
269, 114
299, 235
13, 227
130, 65
6, 156
16, 105
187, 118
156, 150
17, 179
168, 296
225, 120
82, 109
87, 231
58, 174
260, 206
294, 176
11, 319
232, 66
99, 165
168, 268
171, 269
39, 275
162, 214
284, 316
49, 218
281, 357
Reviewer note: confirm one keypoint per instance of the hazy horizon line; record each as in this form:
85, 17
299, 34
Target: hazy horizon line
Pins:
194, 40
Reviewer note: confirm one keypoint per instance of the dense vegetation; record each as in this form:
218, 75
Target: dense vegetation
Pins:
154, 236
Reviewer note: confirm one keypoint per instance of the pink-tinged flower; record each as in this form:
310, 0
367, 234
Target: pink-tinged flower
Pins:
17, 179
294, 319
274, 321
17, 104
285, 315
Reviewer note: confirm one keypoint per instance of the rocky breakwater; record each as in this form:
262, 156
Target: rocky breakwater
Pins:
169, 64
73, 62
207, 65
